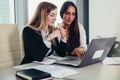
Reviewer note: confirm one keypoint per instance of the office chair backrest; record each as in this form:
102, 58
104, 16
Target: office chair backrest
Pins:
10, 48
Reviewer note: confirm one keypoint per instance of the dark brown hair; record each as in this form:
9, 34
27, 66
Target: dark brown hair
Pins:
74, 35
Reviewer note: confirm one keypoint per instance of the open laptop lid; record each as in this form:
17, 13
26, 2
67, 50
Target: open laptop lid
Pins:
97, 50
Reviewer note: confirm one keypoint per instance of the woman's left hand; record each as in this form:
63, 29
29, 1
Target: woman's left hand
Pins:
63, 33
79, 52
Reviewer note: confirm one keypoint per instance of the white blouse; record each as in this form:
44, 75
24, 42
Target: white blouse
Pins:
82, 37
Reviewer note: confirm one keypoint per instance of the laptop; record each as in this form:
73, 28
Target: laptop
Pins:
97, 51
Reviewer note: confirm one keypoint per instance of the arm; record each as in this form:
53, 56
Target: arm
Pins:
80, 51
82, 37
34, 47
61, 43
61, 48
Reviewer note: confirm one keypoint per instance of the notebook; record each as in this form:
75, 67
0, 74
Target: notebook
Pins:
97, 51
32, 74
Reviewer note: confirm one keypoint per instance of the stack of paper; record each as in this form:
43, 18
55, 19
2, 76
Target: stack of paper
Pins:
112, 60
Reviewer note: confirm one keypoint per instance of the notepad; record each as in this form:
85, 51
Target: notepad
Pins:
32, 74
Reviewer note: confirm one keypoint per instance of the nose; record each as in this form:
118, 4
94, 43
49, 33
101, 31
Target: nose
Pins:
54, 18
70, 16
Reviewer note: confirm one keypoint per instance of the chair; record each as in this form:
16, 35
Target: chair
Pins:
10, 48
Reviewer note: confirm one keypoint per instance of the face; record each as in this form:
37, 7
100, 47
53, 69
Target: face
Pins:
69, 15
51, 18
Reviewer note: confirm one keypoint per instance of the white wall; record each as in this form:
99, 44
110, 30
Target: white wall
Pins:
104, 18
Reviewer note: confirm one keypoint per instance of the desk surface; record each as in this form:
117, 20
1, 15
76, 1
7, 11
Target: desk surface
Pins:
92, 72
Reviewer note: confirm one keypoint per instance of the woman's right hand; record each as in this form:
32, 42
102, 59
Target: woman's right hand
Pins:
62, 31
80, 52
54, 34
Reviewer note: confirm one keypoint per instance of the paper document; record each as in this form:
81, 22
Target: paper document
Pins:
46, 61
56, 71
50, 59
112, 60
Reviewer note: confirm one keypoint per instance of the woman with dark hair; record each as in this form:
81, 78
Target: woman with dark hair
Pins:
38, 35
75, 33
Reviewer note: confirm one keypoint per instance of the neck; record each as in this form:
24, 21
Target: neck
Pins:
66, 26
45, 28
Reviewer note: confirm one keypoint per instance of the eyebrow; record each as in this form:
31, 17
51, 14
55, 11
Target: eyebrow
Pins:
72, 12
53, 13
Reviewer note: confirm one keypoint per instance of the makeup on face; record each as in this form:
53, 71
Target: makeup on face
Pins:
69, 15
51, 18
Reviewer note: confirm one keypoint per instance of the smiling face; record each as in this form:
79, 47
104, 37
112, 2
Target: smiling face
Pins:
69, 15
51, 18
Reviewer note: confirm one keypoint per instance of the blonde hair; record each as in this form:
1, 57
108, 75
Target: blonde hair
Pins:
42, 11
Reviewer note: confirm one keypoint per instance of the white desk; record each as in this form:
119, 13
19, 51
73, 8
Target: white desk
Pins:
92, 72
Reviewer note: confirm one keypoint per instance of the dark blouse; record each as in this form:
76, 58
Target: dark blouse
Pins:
36, 50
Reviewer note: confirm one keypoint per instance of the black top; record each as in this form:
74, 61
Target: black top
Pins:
36, 50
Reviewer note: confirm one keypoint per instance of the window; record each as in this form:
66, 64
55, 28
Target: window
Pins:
6, 11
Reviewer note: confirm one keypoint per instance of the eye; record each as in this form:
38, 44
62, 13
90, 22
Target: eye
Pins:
52, 15
67, 13
73, 14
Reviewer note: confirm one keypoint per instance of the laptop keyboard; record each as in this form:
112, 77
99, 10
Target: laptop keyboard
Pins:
74, 61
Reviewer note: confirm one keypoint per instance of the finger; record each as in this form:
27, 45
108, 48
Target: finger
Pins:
77, 54
80, 54
73, 53
63, 23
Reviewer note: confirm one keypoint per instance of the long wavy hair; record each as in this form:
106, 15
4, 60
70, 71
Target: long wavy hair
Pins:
74, 35
39, 18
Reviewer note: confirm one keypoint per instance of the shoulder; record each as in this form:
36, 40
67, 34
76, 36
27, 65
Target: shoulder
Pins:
28, 30
81, 29
80, 26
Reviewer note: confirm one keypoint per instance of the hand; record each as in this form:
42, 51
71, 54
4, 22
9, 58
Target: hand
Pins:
63, 33
79, 52
54, 34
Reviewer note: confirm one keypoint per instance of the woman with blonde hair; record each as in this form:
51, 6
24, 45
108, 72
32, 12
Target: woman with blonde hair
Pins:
38, 36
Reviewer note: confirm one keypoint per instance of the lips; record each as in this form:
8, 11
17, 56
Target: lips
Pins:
53, 22
69, 22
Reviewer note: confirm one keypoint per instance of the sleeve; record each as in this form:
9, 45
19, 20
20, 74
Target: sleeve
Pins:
82, 37
61, 48
34, 47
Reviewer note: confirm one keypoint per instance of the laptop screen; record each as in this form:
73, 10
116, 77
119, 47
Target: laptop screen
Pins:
98, 50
